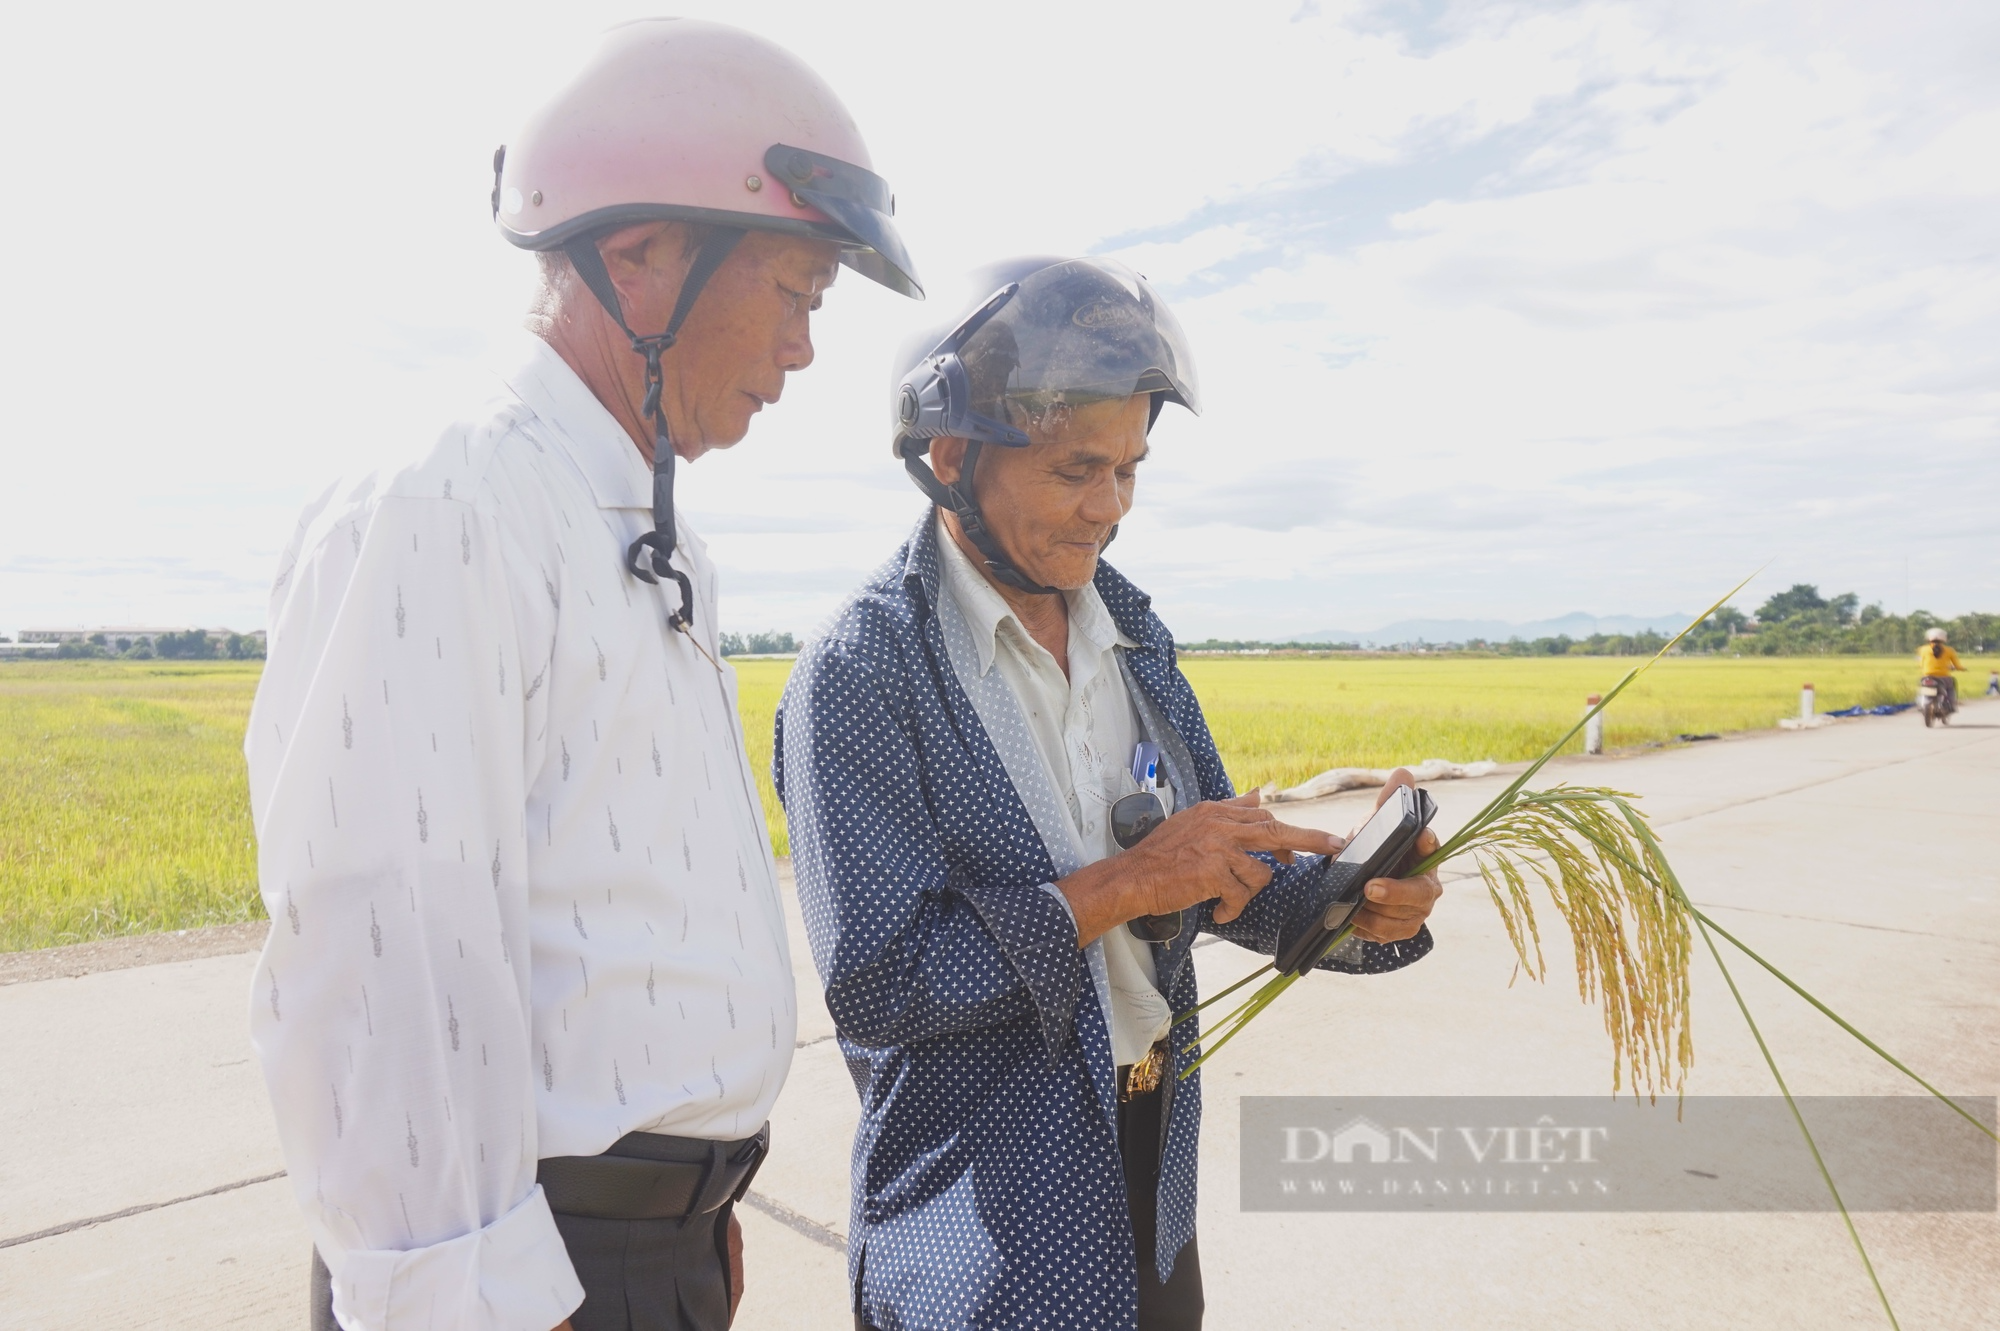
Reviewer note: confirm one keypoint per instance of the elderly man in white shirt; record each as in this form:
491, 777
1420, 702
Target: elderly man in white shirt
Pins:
527, 999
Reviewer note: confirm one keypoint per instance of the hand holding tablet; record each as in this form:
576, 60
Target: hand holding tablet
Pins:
1378, 850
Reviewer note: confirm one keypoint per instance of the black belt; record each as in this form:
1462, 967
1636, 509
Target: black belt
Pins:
650, 1176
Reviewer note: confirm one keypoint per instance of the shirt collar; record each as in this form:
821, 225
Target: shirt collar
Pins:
987, 612
592, 437
1089, 616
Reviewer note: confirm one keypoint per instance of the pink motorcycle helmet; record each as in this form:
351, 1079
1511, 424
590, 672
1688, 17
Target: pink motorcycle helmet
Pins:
680, 120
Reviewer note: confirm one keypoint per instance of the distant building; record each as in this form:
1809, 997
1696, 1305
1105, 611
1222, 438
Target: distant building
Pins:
129, 635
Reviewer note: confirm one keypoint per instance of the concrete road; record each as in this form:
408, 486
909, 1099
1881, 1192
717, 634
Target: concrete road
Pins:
1864, 857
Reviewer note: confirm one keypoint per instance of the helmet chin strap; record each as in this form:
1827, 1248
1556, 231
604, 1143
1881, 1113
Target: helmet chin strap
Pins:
962, 502
589, 264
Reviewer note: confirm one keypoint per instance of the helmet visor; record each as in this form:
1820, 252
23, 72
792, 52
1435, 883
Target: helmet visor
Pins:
1077, 337
861, 206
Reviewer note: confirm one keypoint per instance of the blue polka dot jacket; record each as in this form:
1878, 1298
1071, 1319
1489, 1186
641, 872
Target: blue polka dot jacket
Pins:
987, 1185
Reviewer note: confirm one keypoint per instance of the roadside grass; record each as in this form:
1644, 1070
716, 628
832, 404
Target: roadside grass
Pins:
124, 806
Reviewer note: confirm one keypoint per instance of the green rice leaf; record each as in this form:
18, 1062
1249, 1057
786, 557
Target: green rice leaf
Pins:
1894, 1062
1825, 1174
1218, 997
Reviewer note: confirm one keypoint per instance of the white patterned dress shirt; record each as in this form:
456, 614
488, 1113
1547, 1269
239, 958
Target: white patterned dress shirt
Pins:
522, 895
1085, 729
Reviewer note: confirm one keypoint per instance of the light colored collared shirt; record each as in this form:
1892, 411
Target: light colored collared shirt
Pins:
522, 896
1085, 730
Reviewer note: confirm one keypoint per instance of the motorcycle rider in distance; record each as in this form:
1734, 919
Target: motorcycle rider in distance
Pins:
1937, 661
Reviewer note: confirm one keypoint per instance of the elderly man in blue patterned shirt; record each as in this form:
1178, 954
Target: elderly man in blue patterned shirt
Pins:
1002, 974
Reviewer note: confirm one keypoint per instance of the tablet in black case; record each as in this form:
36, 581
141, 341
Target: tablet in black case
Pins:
1378, 850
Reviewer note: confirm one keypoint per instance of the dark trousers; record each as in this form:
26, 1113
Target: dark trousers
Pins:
1178, 1304
639, 1275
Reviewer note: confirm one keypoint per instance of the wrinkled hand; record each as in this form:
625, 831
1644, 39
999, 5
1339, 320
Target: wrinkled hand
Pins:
1200, 854
1397, 907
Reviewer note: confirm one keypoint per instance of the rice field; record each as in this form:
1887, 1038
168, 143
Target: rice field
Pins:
124, 806
759, 685
1286, 718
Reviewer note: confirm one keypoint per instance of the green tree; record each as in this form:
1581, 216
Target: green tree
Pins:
758, 644
1799, 599
192, 645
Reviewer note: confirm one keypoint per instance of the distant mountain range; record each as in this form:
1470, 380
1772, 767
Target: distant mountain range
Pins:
1577, 625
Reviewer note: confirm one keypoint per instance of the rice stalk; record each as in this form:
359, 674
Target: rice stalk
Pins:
1631, 924
1630, 937
1215, 998
1232, 1026
1631, 942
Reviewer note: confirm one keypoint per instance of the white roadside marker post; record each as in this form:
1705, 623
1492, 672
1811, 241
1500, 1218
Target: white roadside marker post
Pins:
1593, 729
1806, 705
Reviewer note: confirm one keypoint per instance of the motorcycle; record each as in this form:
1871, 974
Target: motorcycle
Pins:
1936, 699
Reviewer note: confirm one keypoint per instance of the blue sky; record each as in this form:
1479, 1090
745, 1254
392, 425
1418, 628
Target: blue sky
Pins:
1502, 311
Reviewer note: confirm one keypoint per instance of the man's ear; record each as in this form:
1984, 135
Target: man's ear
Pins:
632, 254
948, 459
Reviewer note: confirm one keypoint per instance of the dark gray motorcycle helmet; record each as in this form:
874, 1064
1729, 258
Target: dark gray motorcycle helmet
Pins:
1050, 340
1046, 333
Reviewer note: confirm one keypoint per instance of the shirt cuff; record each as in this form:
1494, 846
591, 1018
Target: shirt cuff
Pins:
1068, 909
1356, 956
1036, 932
513, 1275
